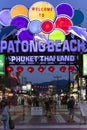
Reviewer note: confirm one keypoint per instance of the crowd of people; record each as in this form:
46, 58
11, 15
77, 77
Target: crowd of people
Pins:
48, 103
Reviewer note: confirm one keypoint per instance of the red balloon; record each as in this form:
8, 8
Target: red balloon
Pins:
71, 68
41, 69
30, 69
47, 26
63, 69
20, 69
63, 23
51, 68
10, 69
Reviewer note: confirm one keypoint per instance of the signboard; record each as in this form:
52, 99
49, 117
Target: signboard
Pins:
2, 64
41, 11
36, 111
84, 64
42, 34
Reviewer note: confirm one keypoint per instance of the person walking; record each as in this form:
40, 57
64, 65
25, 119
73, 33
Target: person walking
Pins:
70, 105
47, 107
5, 116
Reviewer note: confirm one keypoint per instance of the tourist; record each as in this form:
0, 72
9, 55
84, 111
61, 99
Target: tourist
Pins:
5, 116
70, 105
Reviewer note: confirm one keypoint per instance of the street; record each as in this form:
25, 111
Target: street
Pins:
56, 127
24, 121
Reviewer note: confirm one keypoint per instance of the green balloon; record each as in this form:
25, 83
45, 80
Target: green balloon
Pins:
57, 35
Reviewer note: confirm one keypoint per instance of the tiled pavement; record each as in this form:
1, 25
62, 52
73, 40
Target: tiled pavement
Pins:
58, 120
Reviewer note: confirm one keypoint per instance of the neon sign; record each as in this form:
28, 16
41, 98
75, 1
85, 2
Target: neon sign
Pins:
41, 30
2, 65
31, 59
31, 47
85, 64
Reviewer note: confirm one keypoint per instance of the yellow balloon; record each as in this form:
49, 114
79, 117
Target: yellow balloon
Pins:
19, 10
42, 11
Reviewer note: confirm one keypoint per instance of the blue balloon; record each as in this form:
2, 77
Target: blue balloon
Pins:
35, 26
78, 17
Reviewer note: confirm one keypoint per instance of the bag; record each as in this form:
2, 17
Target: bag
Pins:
11, 123
4, 118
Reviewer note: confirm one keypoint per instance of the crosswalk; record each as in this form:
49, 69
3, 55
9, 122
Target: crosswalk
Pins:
76, 119
58, 120
44, 120
55, 119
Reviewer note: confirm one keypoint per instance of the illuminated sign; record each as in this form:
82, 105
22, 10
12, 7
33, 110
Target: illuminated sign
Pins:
42, 11
40, 32
85, 64
42, 59
2, 64
31, 47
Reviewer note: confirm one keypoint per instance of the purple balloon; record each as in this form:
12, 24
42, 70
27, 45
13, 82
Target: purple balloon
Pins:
65, 9
20, 22
25, 35
5, 17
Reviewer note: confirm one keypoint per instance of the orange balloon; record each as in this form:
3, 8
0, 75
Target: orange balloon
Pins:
19, 10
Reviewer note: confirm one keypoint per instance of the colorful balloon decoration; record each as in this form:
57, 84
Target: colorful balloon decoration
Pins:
25, 34
47, 26
20, 22
19, 10
78, 17
35, 26
63, 23
65, 9
41, 11
57, 35
5, 17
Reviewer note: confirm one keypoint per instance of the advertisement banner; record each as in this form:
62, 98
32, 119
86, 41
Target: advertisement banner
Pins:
84, 64
2, 65
36, 111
